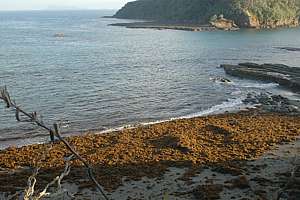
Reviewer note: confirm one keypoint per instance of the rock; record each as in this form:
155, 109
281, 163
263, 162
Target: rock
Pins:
221, 79
224, 24
248, 20
161, 25
272, 103
286, 76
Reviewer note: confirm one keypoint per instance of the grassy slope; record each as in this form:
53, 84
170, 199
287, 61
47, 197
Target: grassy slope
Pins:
202, 10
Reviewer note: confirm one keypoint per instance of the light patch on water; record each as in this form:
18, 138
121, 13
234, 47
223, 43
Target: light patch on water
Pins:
257, 85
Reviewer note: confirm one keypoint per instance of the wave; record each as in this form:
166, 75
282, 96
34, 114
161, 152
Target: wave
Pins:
231, 105
257, 85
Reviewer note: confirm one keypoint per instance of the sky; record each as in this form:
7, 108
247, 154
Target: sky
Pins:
61, 4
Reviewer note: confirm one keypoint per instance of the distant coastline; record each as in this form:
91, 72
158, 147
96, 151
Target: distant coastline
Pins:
205, 15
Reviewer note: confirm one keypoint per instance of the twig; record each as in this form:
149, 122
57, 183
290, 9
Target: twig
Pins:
31, 184
29, 192
33, 117
89, 169
58, 179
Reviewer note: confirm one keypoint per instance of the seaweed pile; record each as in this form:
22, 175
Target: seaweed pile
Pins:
147, 151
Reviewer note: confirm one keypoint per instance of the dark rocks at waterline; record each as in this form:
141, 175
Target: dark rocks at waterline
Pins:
288, 48
221, 80
273, 103
166, 25
285, 76
224, 24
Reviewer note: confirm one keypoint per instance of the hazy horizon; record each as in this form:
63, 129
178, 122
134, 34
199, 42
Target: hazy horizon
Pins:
15, 5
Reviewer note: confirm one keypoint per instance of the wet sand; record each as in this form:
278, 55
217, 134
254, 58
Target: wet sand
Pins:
223, 143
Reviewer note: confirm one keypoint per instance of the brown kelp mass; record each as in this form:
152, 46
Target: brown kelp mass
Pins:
149, 150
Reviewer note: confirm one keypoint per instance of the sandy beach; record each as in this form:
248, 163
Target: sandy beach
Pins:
214, 154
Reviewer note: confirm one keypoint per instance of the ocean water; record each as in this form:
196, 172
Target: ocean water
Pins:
100, 77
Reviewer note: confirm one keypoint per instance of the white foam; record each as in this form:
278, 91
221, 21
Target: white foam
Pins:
257, 85
116, 129
231, 105
223, 81
158, 121
235, 93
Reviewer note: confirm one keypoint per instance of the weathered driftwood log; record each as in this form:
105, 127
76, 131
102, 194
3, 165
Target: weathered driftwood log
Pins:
33, 118
285, 76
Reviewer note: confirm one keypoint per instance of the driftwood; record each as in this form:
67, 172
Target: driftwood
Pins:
54, 132
29, 192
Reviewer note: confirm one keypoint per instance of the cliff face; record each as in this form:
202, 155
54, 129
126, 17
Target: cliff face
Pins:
249, 20
244, 13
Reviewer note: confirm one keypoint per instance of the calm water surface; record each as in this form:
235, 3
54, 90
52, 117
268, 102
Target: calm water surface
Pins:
99, 77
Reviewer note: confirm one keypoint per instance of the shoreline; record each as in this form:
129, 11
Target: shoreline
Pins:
253, 101
182, 26
229, 106
216, 152
150, 150
167, 26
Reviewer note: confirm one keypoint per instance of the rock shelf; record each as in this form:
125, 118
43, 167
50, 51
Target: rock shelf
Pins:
286, 76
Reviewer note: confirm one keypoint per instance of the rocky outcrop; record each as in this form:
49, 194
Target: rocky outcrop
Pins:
224, 24
166, 25
273, 103
286, 76
247, 20
293, 22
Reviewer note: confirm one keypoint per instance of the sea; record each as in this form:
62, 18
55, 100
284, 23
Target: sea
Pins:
98, 78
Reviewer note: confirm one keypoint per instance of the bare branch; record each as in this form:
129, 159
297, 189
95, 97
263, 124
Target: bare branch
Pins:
4, 95
31, 184
87, 166
29, 192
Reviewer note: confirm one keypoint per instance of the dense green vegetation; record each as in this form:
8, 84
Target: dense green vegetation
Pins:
200, 11
268, 10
